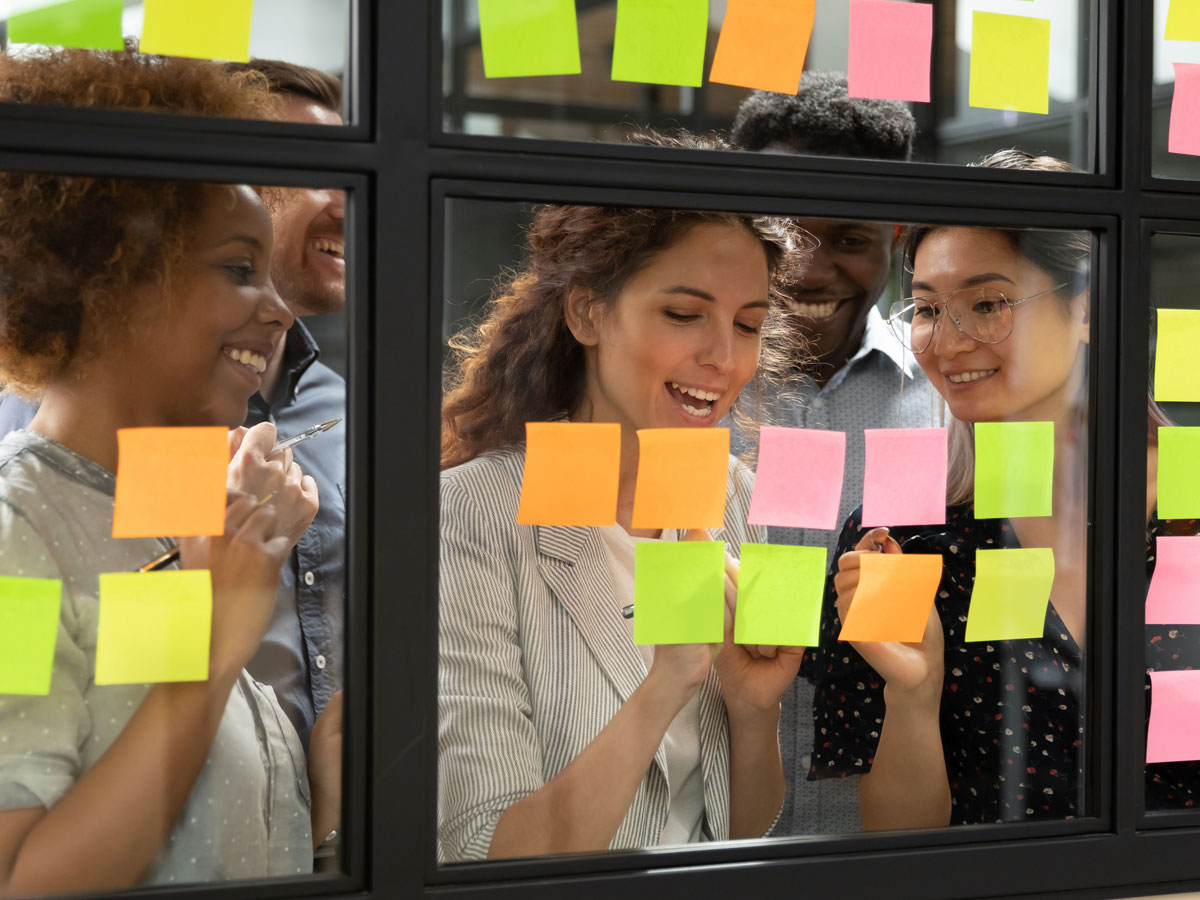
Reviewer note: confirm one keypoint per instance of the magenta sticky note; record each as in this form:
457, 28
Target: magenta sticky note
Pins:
1184, 133
798, 483
1174, 596
891, 46
1174, 733
905, 478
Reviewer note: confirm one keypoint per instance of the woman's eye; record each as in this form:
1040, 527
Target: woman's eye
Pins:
680, 317
924, 312
748, 328
242, 272
988, 307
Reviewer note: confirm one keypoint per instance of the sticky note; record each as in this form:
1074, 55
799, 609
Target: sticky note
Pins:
681, 478
170, 482
214, 29
154, 627
86, 24
891, 50
1183, 21
904, 480
1179, 472
679, 592
28, 629
779, 595
1174, 595
1014, 469
1183, 134
1174, 732
798, 483
894, 595
660, 41
533, 37
572, 470
1012, 589
763, 44
1176, 375
1010, 62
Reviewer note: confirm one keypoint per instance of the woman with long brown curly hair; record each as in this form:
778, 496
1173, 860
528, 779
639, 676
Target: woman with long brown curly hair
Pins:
557, 733
131, 303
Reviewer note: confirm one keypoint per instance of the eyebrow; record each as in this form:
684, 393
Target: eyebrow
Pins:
241, 239
705, 295
970, 282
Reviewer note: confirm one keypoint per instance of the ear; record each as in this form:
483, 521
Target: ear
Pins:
1083, 311
582, 316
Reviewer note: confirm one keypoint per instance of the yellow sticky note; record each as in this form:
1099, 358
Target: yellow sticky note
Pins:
214, 29
681, 478
170, 482
1176, 375
154, 627
1010, 63
572, 470
1183, 21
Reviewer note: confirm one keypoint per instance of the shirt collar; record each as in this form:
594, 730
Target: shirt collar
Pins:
877, 336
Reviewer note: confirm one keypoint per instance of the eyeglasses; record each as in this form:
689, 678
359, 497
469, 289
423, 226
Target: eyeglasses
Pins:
983, 314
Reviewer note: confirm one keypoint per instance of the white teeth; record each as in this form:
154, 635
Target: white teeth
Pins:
816, 310
698, 413
333, 247
964, 377
696, 392
247, 358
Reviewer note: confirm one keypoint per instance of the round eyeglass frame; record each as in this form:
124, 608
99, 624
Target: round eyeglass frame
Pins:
903, 334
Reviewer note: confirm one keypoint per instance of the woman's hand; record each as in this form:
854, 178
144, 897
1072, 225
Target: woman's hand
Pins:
911, 669
254, 469
325, 769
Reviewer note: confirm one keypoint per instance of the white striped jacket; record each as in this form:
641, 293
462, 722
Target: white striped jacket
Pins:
535, 660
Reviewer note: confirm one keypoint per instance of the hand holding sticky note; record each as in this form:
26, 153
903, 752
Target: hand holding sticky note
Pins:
154, 627
29, 609
681, 480
798, 483
572, 470
779, 595
170, 481
904, 480
894, 595
1011, 591
679, 592
1014, 469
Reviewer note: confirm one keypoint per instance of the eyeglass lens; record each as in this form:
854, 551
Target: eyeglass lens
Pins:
981, 313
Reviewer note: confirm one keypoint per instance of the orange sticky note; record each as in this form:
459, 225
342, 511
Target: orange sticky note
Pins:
681, 478
895, 593
170, 481
571, 473
763, 44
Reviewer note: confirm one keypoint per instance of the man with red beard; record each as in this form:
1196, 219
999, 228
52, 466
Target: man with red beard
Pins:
862, 377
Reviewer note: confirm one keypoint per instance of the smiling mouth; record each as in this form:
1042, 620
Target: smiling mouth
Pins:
816, 310
698, 402
336, 249
253, 361
967, 377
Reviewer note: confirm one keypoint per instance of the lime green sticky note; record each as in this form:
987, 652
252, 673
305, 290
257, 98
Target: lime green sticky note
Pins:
660, 41
1183, 21
1012, 588
779, 595
679, 592
1178, 472
214, 29
1014, 469
154, 626
87, 24
1176, 375
533, 37
1010, 62
28, 628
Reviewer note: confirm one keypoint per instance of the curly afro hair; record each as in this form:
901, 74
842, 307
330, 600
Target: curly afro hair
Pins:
823, 119
72, 248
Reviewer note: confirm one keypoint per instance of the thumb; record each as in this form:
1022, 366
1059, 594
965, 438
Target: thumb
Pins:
696, 534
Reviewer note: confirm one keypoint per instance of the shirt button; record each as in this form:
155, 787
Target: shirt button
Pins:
320, 661
806, 760
818, 403
308, 578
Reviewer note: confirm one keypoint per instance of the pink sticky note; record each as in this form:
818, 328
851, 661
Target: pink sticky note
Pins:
891, 46
799, 479
1173, 598
1184, 133
1174, 716
905, 478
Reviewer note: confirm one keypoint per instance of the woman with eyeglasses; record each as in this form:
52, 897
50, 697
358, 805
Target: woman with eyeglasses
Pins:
945, 731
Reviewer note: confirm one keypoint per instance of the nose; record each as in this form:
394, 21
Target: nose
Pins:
948, 340
717, 352
272, 311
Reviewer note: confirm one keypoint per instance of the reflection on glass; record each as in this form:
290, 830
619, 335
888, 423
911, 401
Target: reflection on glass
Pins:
593, 106
136, 304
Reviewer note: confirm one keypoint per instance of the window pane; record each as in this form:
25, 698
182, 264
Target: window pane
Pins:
566, 725
1039, 59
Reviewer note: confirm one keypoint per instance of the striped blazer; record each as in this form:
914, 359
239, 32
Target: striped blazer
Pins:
535, 659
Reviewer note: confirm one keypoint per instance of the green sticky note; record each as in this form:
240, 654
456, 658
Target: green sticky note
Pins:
679, 592
1012, 588
533, 37
154, 626
1014, 469
1010, 62
1178, 472
660, 41
87, 24
28, 628
779, 595
1183, 21
1176, 375
214, 29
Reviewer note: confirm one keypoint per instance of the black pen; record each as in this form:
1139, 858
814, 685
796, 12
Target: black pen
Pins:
165, 559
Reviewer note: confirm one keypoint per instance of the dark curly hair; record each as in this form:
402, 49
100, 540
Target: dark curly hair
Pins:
522, 364
822, 118
73, 247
